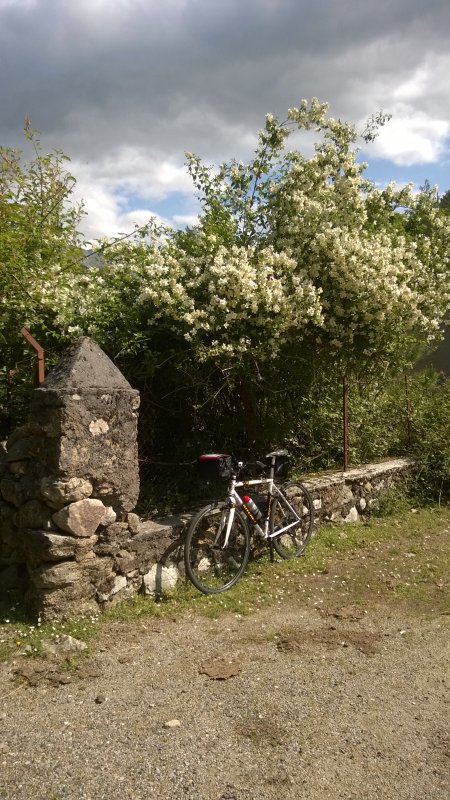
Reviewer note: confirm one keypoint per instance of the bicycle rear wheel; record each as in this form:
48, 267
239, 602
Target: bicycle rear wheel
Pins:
210, 566
297, 510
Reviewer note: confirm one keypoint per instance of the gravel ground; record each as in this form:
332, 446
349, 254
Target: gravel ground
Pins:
320, 702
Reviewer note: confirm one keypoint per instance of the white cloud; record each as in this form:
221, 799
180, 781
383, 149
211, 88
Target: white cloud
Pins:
129, 175
413, 138
414, 87
105, 216
418, 98
139, 171
182, 220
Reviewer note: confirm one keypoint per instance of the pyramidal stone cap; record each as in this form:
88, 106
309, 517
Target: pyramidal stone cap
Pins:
84, 365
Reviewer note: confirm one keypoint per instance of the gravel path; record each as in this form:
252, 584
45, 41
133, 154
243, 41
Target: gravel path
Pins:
320, 708
323, 699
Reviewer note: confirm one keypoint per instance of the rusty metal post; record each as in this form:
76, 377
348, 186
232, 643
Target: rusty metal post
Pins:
408, 411
40, 375
345, 419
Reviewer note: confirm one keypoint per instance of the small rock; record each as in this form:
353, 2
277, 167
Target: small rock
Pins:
63, 645
172, 723
219, 669
352, 515
98, 427
134, 523
101, 698
109, 517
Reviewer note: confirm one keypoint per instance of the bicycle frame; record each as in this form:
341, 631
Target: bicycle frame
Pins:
236, 502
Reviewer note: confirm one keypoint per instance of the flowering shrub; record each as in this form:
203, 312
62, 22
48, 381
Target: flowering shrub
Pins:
40, 259
291, 250
297, 266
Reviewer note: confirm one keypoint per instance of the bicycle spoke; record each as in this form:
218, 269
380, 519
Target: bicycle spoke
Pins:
211, 565
295, 512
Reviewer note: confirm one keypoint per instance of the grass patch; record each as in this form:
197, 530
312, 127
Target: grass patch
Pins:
16, 635
405, 591
404, 557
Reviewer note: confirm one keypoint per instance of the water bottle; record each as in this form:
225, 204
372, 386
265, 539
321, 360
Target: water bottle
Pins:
251, 509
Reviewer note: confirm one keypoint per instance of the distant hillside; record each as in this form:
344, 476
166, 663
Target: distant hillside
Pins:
93, 259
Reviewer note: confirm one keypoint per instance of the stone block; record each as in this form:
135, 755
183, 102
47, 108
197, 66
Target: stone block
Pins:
134, 523
22, 449
160, 579
107, 548
97, 441
62, 604
57, 492
125, 561
42, 546
115, 530
352, 515
22, 432
18, 467
32, 514
12, 491
109, 517
98, 570
56, 576
81, 518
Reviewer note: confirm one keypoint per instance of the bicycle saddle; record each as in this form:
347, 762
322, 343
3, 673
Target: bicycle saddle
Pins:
277, 453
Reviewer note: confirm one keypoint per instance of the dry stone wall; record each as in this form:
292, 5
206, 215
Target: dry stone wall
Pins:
348, 496
69, 481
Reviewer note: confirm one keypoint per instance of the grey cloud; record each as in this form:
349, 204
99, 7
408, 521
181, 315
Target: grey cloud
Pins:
189, 75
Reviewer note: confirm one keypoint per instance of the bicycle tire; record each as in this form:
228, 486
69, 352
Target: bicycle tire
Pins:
293, 542
210, 568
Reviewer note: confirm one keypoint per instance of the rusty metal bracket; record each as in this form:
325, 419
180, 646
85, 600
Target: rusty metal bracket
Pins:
40, 374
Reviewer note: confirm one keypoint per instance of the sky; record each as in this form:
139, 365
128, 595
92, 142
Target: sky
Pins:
125, 87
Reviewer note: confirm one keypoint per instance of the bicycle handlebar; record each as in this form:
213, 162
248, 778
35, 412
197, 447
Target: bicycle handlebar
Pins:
241, 466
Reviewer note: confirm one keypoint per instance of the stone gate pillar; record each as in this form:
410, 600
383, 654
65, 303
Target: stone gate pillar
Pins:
86, 414
69, 479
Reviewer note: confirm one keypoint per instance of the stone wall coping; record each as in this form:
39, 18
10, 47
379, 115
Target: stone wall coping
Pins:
364, 472
82, 390
176, 523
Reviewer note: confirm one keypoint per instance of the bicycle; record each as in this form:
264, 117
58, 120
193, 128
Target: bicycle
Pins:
217, 545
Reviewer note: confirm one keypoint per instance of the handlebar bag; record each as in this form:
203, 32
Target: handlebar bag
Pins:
214, 466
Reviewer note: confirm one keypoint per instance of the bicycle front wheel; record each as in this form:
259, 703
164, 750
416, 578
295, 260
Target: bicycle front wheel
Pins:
211, 565
295, 511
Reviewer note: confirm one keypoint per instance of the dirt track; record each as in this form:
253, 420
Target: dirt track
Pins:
329, 699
